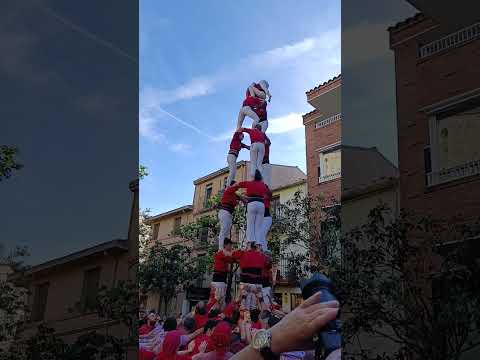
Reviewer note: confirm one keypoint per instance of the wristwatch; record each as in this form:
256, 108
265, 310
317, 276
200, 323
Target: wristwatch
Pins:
262, 342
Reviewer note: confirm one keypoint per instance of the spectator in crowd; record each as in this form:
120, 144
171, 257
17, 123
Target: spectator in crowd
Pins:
194, 345
200, 315
220, 339
149, 324
170, 347
255, 319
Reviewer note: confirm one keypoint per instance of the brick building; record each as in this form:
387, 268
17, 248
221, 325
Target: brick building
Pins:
438, 114
323, 140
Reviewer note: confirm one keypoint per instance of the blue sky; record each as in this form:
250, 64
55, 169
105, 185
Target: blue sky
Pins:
195, 65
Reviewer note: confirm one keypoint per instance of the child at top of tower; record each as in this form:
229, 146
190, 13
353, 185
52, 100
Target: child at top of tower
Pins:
255, 105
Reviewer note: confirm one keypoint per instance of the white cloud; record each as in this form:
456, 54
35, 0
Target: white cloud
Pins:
180, 148
272, 58
285, 123
279, 55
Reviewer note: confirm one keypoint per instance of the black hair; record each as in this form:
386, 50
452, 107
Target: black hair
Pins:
254, 315
213, 313
253, 246
227, 241
189, 324
210, 324
258, 175
273, 320
235, 317
200, 309
232, 182
170, 324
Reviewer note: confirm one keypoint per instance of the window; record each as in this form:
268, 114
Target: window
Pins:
427, 162
455, 149
40, 301
156, 227
329, 165
208, 195
225, 182
275, 208
177, 223
91, 279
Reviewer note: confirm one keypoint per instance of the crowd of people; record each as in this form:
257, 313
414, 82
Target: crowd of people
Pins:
243, 327
210, 334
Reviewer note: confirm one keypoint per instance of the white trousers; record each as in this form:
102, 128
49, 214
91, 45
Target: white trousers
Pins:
257, 151
232, 168
255, 212
267, 174
263, 123
246, 111
266, 225
267, 296
225, 219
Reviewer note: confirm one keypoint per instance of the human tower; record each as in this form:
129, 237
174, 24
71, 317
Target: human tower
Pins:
254, 258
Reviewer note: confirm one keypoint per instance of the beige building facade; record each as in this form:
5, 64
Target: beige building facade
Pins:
206, 188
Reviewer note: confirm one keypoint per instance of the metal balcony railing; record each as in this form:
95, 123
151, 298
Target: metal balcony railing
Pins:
325, 122
329, 177
453, 173
455, 39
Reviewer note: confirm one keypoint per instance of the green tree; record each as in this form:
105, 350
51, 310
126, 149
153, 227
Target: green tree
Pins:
398, 281
168, 271
142, 172
8, 161
306, 234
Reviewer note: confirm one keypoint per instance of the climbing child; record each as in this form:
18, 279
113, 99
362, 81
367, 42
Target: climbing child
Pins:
235, 146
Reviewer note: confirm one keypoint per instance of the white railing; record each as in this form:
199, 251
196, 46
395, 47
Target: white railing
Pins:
453, 173
327, 121
452, 40
329, 177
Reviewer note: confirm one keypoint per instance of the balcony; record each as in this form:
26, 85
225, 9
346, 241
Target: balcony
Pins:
329, 177
454, 173
455, 39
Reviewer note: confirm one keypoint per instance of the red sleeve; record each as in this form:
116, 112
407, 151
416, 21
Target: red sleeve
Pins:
241, 184
249, 131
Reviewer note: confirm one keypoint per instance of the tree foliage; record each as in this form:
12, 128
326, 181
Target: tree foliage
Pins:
8, 161
398, 281
168, 270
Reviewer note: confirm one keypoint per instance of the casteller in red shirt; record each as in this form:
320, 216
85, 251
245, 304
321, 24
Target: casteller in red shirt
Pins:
236, 144
255, 135
221, 261
249, 258
229, 199
253, 188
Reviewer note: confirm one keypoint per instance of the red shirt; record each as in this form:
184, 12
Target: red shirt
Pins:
221, 261
267, 271
267, 198
250, 259
145, 329
257, 325
255, 135
266, 157
229, 198
236, 144
253, 188
200, 320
